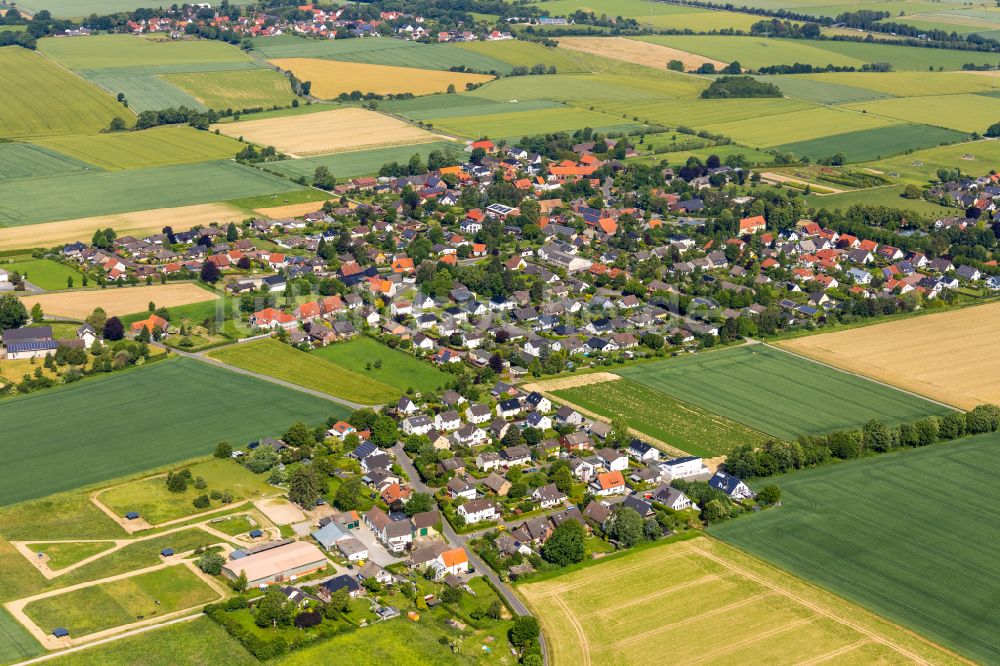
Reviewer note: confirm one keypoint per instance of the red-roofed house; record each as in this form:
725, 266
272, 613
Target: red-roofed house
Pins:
753, 225
273, 319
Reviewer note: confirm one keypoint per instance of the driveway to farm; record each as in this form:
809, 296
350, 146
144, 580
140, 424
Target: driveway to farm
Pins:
462, 540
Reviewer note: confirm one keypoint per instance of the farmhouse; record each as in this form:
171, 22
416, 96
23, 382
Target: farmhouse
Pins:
25, 343
277, 564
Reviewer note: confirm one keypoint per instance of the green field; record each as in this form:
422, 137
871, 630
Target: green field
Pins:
890, 197
964, 112
44, 273
101, 51
360, 162
41, 98
870, 144
144, 92
900, 84
826, 91
233, 525
103, 193
167, 412
480, 107
909, 535
681, 425
276, 359
16, 644
921, 166
62, 555
160, 146
399, 370
25, 160
753, 155
797, 126
656, 14
778, 393
524, 54
699, 112
109, 605
522, 123
618, 83
237, 89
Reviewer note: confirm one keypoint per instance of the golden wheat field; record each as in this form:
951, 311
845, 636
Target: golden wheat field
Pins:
640, 53
117, 302
137, 223
332, 77
327, 132
946, 356
708, 603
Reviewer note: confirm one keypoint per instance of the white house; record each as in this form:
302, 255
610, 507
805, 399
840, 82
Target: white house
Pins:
642, 451
612, 460
459, 489
682, 468
609, 483
508, 408
478, 413
732, 486
477, 511
548, 496
448, 421
417, 425
538, 402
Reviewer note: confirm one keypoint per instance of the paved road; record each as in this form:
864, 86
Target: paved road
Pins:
462, 540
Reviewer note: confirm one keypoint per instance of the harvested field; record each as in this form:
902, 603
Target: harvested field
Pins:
78, 304
640, 53
945, 356
573, 381
700, 585
138, 223
330, 78
291, 210
327, 132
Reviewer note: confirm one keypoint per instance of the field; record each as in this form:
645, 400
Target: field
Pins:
160, 146
841, 526
903, 84
920, 167
330, 78
105, 193
166, 412
25, 160
778, 393
656, 14
702, 112
108, 605
327, 132
829, 91
100, 51
44, 273
870, 144
616, 612
16, 644
944, 356
63, 554
137, 223
614, 80
156, 504
273, 358
753, 155
964, 112
359, 162
399, 370
44, 99
516, 124
640, 53
517, 53
891, 196
116, 302
684, 426
238, 89
797, 126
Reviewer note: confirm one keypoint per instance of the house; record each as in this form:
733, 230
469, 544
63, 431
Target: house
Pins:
731, 485
393, 534
273, 319
613, 460
538, 402
150, 324
341, 429
673, 499
372, 571
454, 562
425, 523
515, 455
598, 512
752, 225
353, 549
26, 343
342, 582
548, 496
477, 413
497, 484
642, 451
508, 408
459, 488
568, 416
682, 468
487, 461
286, 560
406, 406
577, 441
477, 511
448, 421
418, 424
609, 483
329, 535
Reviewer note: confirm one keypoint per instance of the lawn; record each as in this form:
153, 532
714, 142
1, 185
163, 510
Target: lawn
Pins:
891, 197
25, 160
62, 555
279, 360
99, 607
399, 370
160, 146
359, 162
797, 126
239, 89
156, 504
166, 412
965, 112
16, 644
99, 51
703, 587
41, 98
684, 426
778, 393
234, 525
104, 193
870, 144
44, 273
930, 567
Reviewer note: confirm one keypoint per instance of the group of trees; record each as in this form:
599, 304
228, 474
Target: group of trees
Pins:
727, 87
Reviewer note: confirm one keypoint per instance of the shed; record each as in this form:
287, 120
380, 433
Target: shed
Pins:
167, 552
256, 534
131, 515
60, 632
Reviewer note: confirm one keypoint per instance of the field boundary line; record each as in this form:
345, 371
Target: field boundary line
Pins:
581, 634
573, 586
705, 656
660, 593
835, 653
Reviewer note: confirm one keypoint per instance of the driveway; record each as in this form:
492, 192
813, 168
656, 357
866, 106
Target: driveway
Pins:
376, 552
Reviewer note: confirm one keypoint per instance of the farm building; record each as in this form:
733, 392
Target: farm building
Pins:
24, 343
276, 565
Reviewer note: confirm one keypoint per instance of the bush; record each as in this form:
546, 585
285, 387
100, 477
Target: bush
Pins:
201, 501
308, 619
211, 563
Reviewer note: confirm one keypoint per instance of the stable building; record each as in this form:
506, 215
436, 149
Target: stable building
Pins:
277, 565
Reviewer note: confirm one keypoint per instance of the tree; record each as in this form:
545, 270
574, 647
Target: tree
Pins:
241, 583
993, 130
769, 494
982, 418
299, 434
340, 601
305, 486
384, 432
12, 312
223, 450
113, 329
36, 313
675, 66
877, 436
715, 511
418, 503
176, 482
347, 497
210, 272
952, 426
273, 609
97, 319
232, 233
563, 479
625, 526
211, 563
524, 631
565, 546
323, 179
911, 192
262, 459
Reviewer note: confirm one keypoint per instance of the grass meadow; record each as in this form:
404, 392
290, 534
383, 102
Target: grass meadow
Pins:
100, 51
44, 273
870, 144
236, 89
797, 126
921, 166
871, 531
963, 112
521, 123
64, 554
833, 91
399, 370
890, 196
27, 160
16, 644
144, 92
166, 412
700, 111
681, 425
778, 393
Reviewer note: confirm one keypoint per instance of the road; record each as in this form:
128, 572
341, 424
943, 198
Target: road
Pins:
455, 538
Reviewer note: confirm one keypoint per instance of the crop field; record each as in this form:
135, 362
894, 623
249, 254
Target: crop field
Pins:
41, 98
722, 152
700, 112
270, 357
656, 14
327, 132
865, 145
25, 160
798, 126
621, 82
521, 123
106, 193
778, 393
359, 162
944, 356
684, 426
108, 605
159, 146
524, 54
99, 51
699, 583
640, 53
901, 84
331, 78
906, 57
841, 527
16, 644
965, 112
136, 223
889, 196
44, 273
754, 51
116, 302
921, 166
237, 89
167, 411
144, 92
828, 91
399, 370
